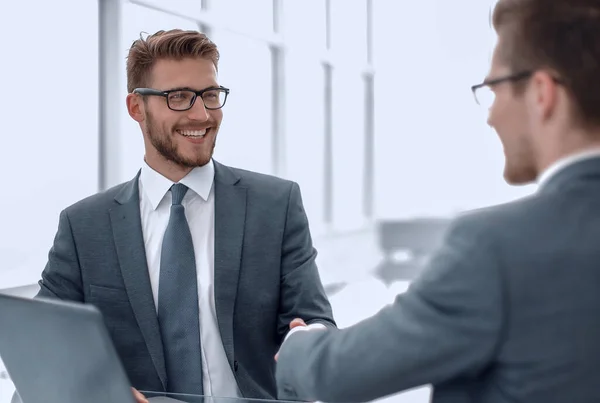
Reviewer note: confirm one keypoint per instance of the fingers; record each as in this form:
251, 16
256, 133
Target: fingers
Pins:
297, 322
138, 396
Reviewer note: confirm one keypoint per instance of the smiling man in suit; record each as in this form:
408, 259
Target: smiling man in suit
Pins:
198, 268
508, 309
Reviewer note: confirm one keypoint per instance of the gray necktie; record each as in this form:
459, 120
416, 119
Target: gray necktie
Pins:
178, 313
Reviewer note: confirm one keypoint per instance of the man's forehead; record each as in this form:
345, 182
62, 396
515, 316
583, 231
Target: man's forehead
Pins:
497, 64
186, 73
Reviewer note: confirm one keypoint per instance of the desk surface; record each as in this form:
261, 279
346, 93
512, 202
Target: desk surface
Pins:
160, 397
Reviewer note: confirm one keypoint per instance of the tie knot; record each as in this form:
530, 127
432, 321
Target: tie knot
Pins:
177, 192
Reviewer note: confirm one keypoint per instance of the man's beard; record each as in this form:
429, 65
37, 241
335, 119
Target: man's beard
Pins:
167, 147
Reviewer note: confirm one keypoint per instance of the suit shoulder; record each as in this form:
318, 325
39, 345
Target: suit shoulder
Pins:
256, 179
486, 222
96, 201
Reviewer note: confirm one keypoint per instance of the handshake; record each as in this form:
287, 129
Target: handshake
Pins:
297, 324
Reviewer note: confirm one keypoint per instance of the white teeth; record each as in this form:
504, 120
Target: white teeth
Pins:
192, 133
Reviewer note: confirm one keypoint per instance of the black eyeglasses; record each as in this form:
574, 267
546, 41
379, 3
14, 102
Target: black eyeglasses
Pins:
483, 93
182, 99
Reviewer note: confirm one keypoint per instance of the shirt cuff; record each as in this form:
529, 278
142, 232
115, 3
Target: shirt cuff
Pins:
312, 326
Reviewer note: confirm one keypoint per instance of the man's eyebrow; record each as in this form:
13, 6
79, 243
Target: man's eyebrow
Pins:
192, 89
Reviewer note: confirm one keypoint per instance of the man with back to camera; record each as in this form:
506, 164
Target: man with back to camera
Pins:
508, 309
198, 268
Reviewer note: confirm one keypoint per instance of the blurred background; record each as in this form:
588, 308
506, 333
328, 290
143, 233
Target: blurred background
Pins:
365, 103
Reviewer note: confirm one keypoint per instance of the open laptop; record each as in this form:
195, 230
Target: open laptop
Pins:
60, 352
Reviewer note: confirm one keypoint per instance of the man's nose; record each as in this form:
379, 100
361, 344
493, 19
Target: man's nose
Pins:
198, 111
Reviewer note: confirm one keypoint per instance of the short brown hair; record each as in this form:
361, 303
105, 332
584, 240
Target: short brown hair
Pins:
174, 44
562, 36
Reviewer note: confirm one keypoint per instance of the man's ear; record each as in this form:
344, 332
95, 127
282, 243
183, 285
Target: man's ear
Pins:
135, 107
545, 94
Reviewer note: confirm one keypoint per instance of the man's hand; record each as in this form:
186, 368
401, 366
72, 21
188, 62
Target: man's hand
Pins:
295, 323
139, 398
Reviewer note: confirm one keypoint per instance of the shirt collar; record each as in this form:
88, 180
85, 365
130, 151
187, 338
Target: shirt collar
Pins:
563, 163
156, 186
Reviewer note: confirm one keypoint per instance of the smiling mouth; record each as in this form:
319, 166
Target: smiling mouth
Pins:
196, 134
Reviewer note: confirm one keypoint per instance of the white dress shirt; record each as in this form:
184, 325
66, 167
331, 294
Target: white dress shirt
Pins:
155, 205
563, 163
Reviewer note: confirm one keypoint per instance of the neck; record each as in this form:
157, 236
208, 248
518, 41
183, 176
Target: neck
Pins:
168, 169
574, 143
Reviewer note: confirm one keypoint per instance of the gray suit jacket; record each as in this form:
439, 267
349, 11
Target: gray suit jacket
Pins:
508, 310
265, 274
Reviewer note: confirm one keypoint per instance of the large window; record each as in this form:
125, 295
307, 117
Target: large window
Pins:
247, 17
328, 92
349, 53
245, 137
305, 105
348, 147
187, 8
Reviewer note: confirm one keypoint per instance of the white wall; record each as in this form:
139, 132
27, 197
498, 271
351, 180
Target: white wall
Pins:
48, 111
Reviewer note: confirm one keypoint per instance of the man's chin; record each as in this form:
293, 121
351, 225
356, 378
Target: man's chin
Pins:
192, 155
194, 162
519, 177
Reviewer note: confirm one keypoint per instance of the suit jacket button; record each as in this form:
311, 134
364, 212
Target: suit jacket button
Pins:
235, 366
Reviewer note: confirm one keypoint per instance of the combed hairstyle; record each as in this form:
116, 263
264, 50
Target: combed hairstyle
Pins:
561, 36
175, 44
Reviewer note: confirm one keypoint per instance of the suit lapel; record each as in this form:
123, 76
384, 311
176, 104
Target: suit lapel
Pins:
129, 242
230, 217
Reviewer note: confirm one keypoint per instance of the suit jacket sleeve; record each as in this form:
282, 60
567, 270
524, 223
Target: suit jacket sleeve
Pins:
446, 325
302, 293
61, 277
